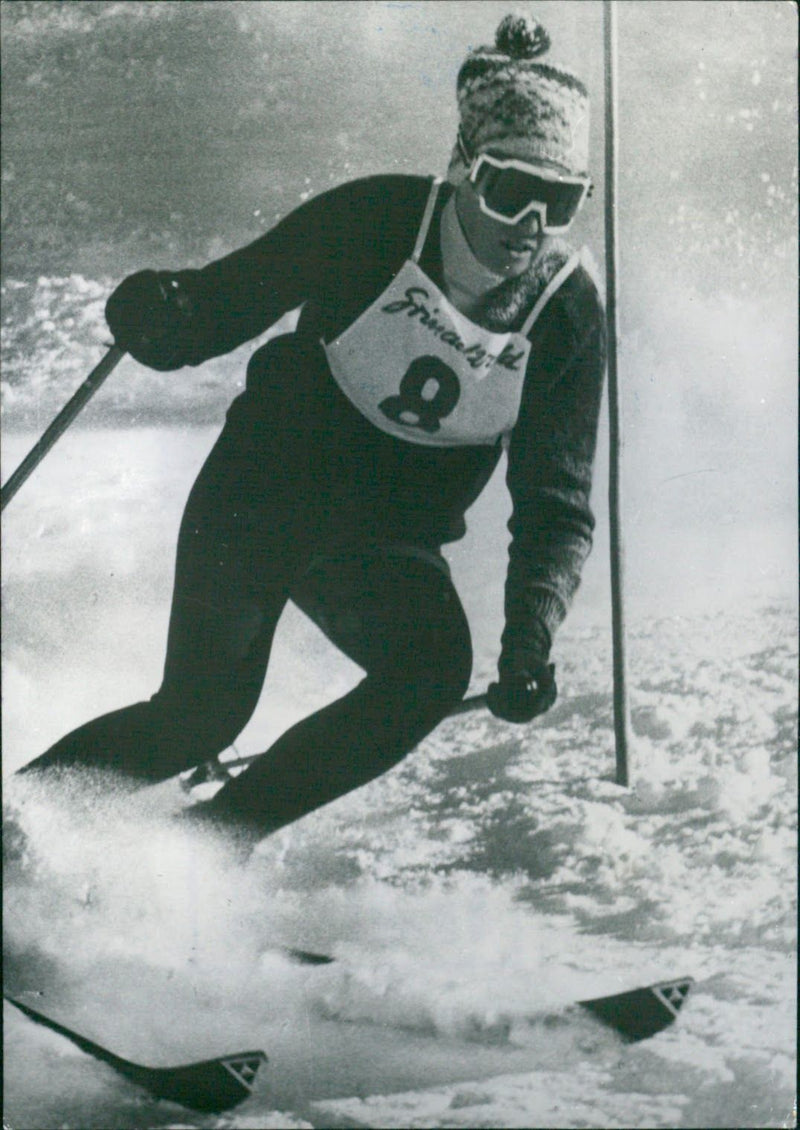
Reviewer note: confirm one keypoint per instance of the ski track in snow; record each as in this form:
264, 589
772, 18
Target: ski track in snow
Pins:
497, 872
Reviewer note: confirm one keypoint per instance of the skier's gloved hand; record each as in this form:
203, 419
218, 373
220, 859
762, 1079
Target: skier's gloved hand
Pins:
522, 696
146, 314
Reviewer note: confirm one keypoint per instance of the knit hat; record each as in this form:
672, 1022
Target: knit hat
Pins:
509, 100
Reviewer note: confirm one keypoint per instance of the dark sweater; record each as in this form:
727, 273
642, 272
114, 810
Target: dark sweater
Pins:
335, 255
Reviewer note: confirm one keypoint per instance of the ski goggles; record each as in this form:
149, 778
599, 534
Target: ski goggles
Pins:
508, 190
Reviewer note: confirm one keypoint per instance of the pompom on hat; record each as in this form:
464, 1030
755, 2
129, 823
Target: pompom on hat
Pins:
509, 100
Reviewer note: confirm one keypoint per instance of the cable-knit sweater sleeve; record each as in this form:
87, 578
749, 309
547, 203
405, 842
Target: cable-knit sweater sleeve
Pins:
550, 462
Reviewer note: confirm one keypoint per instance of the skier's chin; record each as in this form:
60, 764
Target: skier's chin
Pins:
517, 258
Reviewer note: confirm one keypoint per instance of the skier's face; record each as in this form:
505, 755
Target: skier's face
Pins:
506, 249
508, 204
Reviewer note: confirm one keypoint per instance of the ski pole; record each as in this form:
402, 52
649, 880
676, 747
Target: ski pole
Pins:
474, 702
216, 770
60, 424
621, 706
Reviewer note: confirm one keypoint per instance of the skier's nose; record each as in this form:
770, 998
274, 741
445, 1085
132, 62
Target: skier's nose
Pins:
530, 225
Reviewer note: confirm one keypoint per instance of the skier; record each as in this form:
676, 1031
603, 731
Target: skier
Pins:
441, 323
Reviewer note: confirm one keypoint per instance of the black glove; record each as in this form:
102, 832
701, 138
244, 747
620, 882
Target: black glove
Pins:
146, 314
522, 696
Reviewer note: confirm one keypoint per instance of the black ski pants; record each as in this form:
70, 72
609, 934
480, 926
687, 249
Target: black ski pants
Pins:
258, 530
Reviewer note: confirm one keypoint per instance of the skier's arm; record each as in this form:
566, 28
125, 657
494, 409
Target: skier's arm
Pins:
167, 319
550, 462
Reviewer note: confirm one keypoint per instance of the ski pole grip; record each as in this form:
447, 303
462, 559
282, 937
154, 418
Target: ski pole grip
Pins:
60, 424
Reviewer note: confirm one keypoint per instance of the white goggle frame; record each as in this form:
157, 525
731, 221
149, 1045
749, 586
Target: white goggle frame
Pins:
537, 206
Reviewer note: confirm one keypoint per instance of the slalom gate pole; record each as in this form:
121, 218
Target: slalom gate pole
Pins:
621, 705
60, 424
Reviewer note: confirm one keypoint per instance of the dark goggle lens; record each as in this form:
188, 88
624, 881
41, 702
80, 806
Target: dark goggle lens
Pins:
509, 192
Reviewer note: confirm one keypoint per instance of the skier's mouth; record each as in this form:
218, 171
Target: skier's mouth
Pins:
523, 247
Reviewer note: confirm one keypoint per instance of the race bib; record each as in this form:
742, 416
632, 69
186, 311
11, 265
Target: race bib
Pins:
420, 370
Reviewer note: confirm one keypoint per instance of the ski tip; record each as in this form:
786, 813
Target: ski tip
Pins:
213, 1086
641, 1013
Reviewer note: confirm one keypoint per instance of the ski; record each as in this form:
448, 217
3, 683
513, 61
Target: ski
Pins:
636, 1014
639, 1014
217, 1085
211, 1085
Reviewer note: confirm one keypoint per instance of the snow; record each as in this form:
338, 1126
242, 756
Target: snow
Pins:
497, 873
